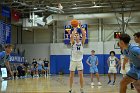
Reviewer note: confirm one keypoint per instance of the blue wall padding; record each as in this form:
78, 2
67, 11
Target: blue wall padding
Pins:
61, 63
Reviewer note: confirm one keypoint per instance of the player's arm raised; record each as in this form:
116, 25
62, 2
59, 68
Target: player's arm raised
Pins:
72, 36
83, 35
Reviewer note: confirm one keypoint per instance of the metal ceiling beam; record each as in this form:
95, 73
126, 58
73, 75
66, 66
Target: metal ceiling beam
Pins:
84, 5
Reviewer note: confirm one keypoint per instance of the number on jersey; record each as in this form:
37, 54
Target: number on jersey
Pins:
78, 48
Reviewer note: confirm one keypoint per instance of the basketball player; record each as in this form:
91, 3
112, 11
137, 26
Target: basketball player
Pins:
137, 40
137, 37
21, 71
46, 66
112, 64
4, 59
133, 53
125, 67
77, 56
92, 61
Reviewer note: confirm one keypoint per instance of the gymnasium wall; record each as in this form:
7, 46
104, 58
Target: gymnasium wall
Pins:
107, 27
38, 42
35, 51
31, 36
60, 56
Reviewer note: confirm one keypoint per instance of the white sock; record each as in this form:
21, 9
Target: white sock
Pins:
0, 78
81, 89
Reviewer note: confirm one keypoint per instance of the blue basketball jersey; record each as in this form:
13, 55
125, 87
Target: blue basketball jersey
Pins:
133, 53
4, 58
92, 60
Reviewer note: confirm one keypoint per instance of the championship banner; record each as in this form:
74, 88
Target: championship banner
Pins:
8, 33
5, 33
69, 29
2, 32
6, 11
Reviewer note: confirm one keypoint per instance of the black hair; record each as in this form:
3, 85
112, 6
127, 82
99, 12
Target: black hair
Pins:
125, 38
137, 34
112, 52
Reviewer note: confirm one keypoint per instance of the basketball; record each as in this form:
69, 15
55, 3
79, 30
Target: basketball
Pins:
74, 23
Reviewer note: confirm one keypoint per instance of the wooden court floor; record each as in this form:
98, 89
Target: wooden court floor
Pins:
58, 84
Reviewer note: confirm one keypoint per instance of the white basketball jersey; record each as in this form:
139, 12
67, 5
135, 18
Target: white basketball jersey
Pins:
122, 59
77, 52
112, 61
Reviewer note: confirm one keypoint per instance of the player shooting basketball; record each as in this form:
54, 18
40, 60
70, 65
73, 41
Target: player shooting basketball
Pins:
76, 54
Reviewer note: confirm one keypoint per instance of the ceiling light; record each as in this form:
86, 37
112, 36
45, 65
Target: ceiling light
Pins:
74, 8
35, 8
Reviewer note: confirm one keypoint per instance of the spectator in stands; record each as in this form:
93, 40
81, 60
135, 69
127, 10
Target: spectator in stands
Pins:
26, 64
46, 66
34, 68
21, 71
40, 65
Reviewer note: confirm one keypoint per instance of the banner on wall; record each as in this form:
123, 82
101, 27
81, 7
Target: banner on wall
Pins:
5, 33
6, 12
69, 29
8, 33
2, 32
16, 58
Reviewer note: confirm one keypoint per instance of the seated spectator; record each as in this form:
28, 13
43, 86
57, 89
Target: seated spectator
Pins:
40, 67
21, 71
34, 68
46, 66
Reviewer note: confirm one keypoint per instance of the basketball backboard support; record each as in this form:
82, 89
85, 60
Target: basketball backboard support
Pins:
116, 44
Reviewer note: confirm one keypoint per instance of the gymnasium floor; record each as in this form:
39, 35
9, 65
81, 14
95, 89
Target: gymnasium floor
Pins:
58, 84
